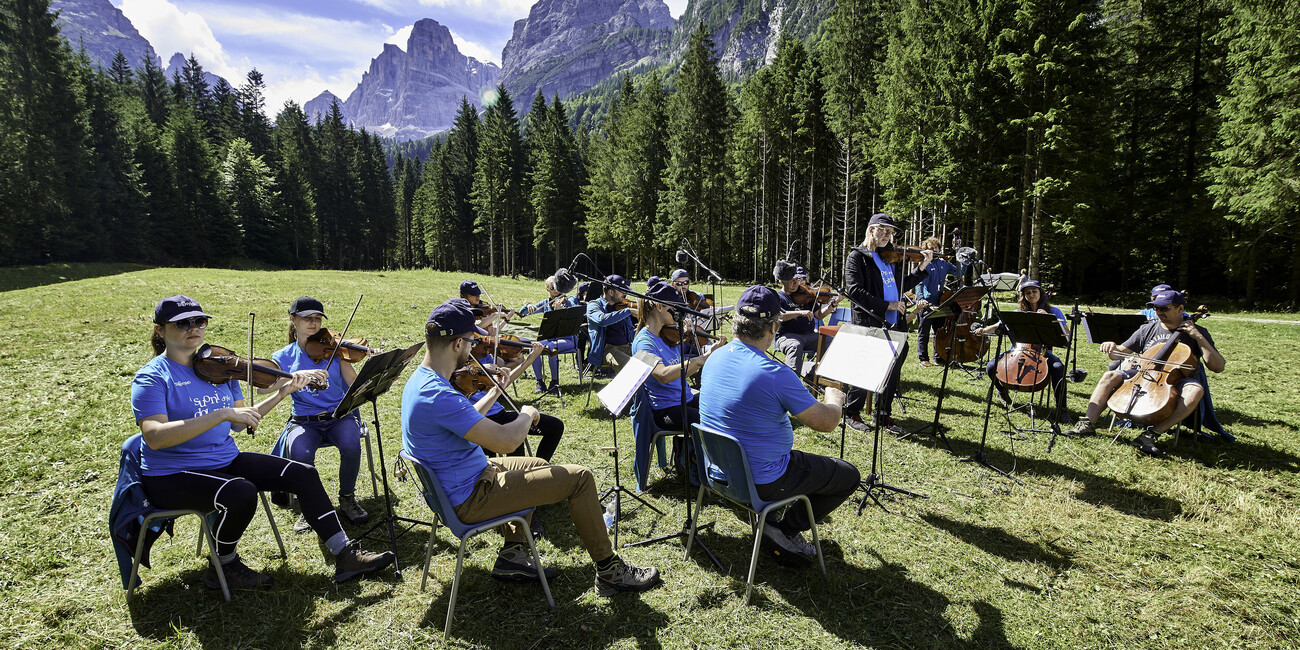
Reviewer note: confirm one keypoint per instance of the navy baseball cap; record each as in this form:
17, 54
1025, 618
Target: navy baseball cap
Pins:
307, 306
759, 301
664, 292
679, 274
170, 310
882, 219
470, 288
1160, 288
1167, 298
453, 318
617, 282
652, 281
1030, 283
799, 272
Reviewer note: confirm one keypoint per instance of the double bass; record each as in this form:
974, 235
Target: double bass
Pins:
967, 347
1151, 395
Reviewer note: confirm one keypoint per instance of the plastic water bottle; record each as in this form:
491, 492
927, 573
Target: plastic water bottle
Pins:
611, 512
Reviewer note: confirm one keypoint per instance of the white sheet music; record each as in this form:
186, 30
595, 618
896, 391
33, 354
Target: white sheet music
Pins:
620, 390
862, 361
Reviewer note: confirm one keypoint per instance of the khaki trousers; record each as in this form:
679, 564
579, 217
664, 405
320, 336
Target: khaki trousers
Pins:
513, 483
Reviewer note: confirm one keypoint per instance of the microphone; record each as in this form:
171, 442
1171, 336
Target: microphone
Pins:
790, 251
967, 255
683, 257
564, 281
784, 270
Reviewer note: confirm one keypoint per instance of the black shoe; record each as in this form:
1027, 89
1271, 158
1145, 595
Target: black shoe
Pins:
625, 577
855, 422
515, 563
355, 562
352, 511
539, 388
536, 526
238, 576
1146, 442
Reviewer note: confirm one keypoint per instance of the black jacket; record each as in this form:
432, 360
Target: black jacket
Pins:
864, 286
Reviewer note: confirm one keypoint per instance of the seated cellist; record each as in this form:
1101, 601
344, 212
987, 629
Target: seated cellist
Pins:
1170, 321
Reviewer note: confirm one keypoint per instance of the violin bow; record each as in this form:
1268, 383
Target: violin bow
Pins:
335, 352
496, 383
252, 319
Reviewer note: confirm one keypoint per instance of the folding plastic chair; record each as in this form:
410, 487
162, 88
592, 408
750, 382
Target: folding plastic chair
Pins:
725, 471
441, 506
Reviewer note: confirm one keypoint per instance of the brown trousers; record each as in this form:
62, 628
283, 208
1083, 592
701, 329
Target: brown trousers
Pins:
514, 483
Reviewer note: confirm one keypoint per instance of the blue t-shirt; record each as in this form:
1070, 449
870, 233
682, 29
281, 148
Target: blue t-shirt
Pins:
308, 400
164, 387
662, 395
435, 419
798, 325
747, 394
890, 293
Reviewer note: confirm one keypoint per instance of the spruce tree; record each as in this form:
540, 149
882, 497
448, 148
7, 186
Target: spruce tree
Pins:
295, 155
248, 186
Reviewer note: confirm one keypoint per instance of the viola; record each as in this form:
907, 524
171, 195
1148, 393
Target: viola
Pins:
471, 379
1151, 395
508, 346
321, 345
892, 254
218, 365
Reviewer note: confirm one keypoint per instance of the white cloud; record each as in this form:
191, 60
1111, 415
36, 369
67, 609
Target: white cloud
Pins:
676, 7
470, 48
170, 30
401, 36
489, 8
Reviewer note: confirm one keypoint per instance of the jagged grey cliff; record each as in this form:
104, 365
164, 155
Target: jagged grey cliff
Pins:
567, 46
745, 32
103, 30
416, 93
319, 106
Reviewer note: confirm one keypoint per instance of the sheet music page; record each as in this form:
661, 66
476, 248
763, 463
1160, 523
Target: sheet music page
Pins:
861, 361
619, 391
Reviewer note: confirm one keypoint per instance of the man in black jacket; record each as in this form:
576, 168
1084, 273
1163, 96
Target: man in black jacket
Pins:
875, 288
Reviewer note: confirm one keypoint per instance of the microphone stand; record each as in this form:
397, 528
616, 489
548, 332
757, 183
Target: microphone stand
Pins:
679, 315
714, 278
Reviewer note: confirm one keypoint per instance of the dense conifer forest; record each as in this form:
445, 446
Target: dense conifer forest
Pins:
1104, 146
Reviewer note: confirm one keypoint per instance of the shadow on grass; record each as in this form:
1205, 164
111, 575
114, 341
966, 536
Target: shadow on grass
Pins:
1230, 417
1230, 455
996, 541
25, 277
1097, 490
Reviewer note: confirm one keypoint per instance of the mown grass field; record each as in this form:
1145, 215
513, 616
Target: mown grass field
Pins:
1101, 548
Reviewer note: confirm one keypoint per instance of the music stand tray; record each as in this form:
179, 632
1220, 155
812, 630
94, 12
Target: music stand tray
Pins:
374, 379
561, 323
1111, 327
1034, 328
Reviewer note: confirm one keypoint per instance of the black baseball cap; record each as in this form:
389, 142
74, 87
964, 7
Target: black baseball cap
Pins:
470, 288
882, 219
170, 310
307, 306
617, 282
664, 292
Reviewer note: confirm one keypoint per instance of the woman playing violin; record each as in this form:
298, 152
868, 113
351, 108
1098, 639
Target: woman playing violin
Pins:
189, 460
1032, 300
312, 423
665, 383
799, 313
563, 345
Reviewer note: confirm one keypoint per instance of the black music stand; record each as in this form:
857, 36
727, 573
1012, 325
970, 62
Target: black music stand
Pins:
1111, 327
374, 379
615, 396
561, 323
952, 307
865, 357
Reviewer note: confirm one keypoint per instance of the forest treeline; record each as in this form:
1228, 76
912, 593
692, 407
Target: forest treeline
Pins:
1104, 146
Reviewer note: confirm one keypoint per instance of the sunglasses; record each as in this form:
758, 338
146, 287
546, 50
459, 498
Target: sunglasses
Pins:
188, 324
1163, 309
682, 283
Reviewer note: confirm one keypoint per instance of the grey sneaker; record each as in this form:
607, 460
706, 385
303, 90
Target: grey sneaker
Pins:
238, 576
515, 563
301, 526
355, 561
856, 423
625, 577
1083, 428
1146, 442
353, 511
790, 543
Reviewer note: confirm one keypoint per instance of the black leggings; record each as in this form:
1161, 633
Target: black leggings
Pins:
670, 419
550, 428
232, 492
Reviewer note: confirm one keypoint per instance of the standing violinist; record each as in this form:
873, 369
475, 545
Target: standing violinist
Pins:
609, 324
665, 383
312, 423
188, 459
1170, 322
931, 290
874, 286
1032, 300
799, 313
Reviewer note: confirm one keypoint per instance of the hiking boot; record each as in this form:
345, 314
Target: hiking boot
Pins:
791, 543
625, 577
1146, 442
855, 422
301, 526
515, 563
353, 511
1083, 428
238, 576
355, 561
925, 363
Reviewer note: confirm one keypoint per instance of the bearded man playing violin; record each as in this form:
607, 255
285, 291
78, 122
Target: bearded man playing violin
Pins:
799, 313
609, 325
1170, 322
448, 433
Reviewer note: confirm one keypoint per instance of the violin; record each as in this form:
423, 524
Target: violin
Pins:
806, 298
218, 365
321, 345
472, 379
892, 254
672, 336
1151, 395
508, 347
697, 301
624, 304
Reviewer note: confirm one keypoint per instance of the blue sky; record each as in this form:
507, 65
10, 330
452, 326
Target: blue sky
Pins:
303, 48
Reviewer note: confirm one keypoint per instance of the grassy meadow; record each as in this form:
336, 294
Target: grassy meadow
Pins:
1100, 548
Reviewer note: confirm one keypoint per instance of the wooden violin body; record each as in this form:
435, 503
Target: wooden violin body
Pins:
1151, 395
321, 345
956, 331
1023, 368
471, 379
218, 365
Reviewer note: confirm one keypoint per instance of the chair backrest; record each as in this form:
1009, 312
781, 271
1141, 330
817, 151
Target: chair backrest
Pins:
725, 467
435, 496
841, 315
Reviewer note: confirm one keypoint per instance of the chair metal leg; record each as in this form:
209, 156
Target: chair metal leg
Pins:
428, 556
817, 542
455, 586
537, 562
216, 560
753, 556
266, 505
690, 537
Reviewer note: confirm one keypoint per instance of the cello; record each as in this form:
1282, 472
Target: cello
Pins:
1151, 395
967, 346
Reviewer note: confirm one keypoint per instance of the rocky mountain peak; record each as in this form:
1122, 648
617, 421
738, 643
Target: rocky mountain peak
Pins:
103, 30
